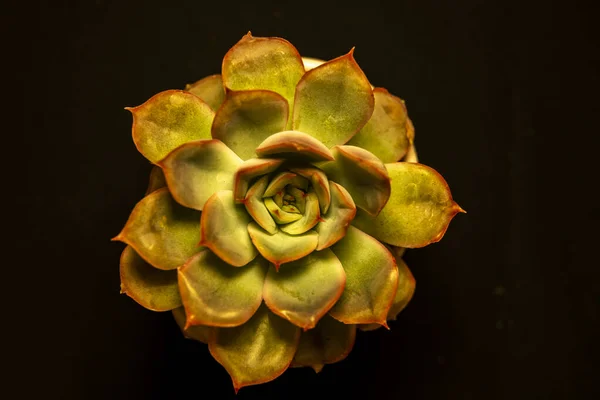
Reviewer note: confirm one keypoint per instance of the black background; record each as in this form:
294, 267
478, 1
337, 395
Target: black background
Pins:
503, 96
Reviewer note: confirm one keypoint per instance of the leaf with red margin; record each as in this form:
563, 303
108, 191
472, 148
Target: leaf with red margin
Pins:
371, 279
196, 170
304, 290
157, 180
418, 212
248, 117
210, 90
258, 351
215, 293
333, 101
151, 288
168, 120
161, 231
249, 170
335, 223
198, 332
294, 145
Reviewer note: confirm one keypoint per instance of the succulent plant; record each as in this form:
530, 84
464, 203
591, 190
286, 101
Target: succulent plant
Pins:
280, 201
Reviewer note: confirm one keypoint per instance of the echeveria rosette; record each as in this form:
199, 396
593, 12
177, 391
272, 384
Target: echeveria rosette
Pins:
278, 209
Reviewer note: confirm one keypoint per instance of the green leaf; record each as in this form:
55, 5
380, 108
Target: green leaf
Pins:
199, 332
258, 351
150, 287
246, 118
281, 180
320, 184
223, 229
163, 232
210, 90
280, 216
256, 207
405, 291
157, 180
333, 101
168, 120
335, 223
385, 135
249, 170
362, 174
216, 294
196, 170
263, 63
329, 342
282, 248
371, 279
309, 219
295, 146
304, 290
418, 211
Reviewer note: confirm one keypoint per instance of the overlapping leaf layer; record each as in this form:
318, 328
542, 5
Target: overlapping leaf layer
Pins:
281, 196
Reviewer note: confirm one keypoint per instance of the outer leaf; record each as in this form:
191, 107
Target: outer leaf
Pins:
363, 175
309, 219
249, 170
210, 90
199, 332
157, 180
329, 342
256, 207
196, 170
335, 223
295, 145
304, 290
168, 120
405, 291
164, 233
333, 101
263, 63
419, 210
320, 184
385, 135
247, 118
371, 279
223, 229
258, 351
150, 287
282, 248
216, 294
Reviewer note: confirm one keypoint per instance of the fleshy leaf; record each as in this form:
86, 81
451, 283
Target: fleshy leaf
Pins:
385, 135
335, 223
196, 170
362, 174
199, 332
304, 290
333, 101
320, 184
279, 215
281, 180
161, 231
329, 342
263, 63
150, 287
258, 351
282, 248
371, 279
256, 207
216, 294
247, 118
294, 145
223, 229
249, 170
157, 180
168, 120
210, 90
405, 291
418, 211
309, 219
